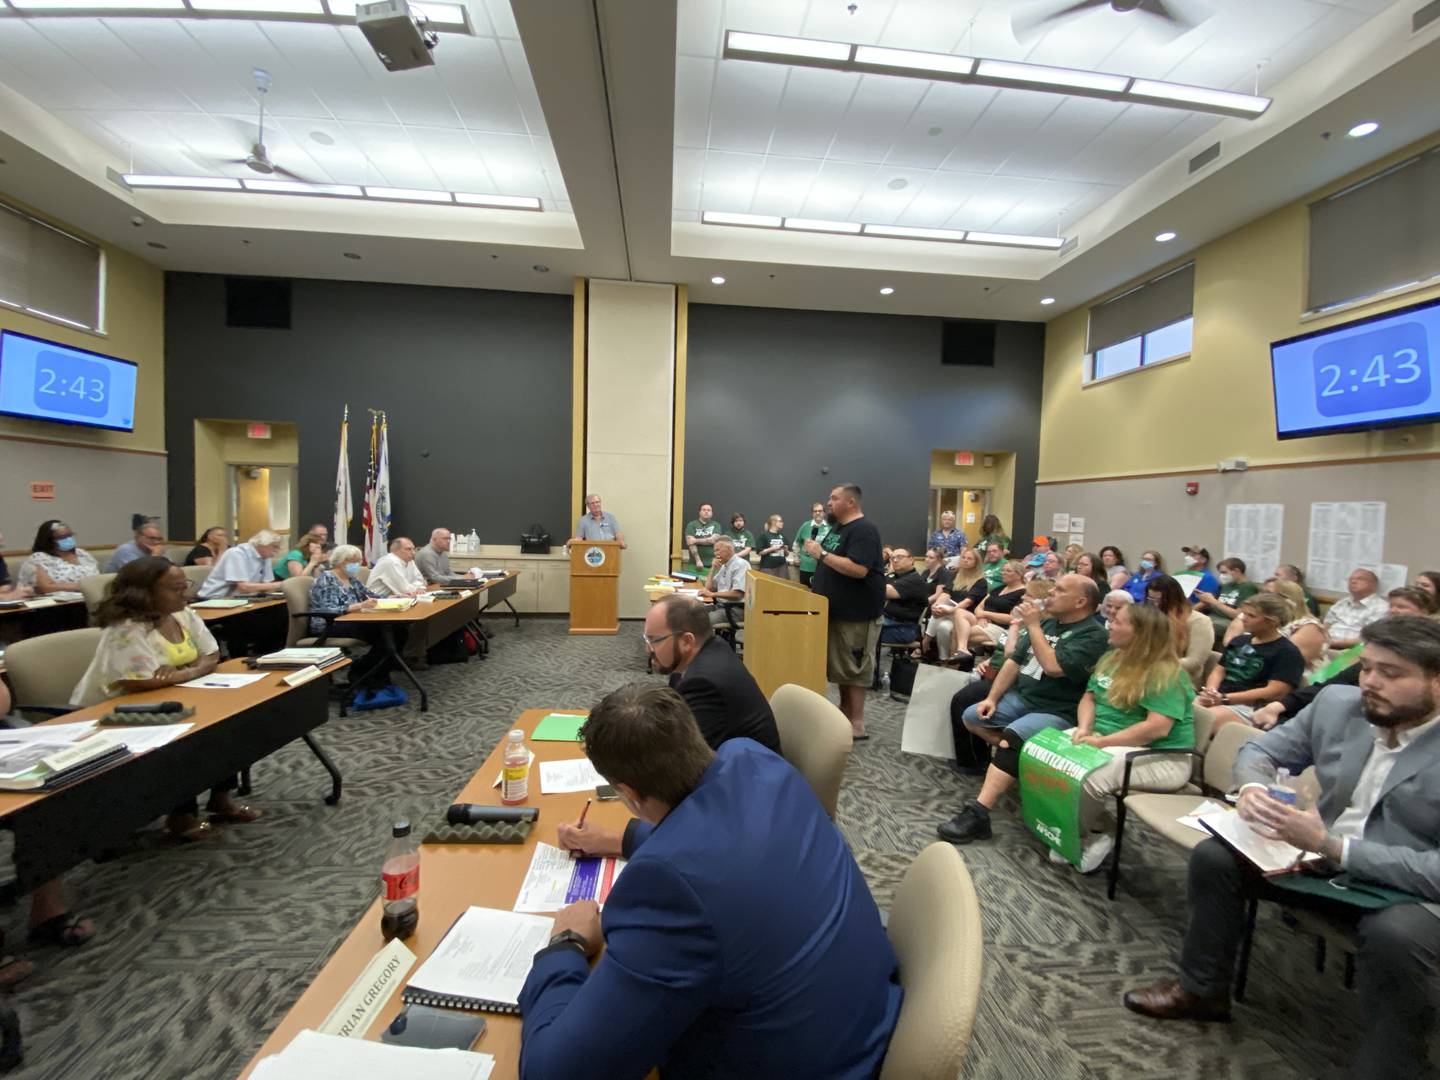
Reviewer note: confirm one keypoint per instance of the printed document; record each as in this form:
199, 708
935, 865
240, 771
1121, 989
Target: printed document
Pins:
555, 880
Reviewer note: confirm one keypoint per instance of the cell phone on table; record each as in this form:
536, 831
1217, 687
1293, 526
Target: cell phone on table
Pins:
606, 792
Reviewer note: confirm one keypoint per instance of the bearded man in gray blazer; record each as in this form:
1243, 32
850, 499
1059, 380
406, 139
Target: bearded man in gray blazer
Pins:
1376, 753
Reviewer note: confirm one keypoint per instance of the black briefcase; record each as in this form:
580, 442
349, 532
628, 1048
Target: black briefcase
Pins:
535, 541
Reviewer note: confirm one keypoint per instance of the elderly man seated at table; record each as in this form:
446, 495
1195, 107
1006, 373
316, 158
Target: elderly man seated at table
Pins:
396, 574
726, 583
730, 950
433, 560
149, 540
244, 569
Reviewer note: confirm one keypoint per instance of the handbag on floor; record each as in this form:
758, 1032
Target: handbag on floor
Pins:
902, 675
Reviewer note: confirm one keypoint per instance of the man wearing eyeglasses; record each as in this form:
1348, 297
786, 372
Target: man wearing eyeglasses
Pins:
720, 691
149, 540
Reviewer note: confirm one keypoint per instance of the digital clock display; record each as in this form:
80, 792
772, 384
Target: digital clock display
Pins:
1377, 372
44, 380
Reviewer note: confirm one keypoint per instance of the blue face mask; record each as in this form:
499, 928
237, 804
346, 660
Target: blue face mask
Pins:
352, 568
1147, 564
66, 543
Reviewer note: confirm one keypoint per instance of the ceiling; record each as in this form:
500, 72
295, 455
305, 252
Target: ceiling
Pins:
621, 116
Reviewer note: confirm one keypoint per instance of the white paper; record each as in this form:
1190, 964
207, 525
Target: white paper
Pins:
555, 880
1192, 819
1343, 536
486, 955
1392, 576
61, 733
1076, 538
1269, 855
499, 776
140, 740
1188, 583
1253, 532
1077, 524
576, 774
312, 1056
218, 680
1060, 523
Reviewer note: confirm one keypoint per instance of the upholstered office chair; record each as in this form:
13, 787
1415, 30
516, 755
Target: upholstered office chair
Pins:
935, 929
45, 670
363, 575
94, 589
297, 607
815, 737
196, 576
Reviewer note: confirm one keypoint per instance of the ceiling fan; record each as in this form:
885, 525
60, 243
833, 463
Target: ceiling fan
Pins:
258, 160
1170, 17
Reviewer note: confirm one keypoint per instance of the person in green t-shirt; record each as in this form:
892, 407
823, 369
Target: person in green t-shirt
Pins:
815, 529
1222, 606
743, 537
993, 564
992, 532
700, 537
1138, 698
772, 547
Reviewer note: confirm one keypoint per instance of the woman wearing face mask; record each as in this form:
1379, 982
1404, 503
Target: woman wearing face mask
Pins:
1151, 565
56, 563
339, 591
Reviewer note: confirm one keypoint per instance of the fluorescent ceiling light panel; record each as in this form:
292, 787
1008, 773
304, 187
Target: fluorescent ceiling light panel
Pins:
910, 232
266, 7
922, 63
96, 5
503, 202
211, 183
754, 221
773, 45
297, 187
1051, 77
816, 225
1164, 93
400, 194
1015, 240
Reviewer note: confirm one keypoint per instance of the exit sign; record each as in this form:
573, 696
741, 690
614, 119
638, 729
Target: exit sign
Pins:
258, 431
964, 457
42, 490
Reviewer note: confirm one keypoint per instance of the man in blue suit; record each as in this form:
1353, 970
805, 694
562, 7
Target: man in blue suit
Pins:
741, 939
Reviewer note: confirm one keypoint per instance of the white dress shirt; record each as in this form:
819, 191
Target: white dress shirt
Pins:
393, 576
1351, 822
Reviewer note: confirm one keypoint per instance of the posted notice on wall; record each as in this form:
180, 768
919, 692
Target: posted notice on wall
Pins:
1344, 535
1253, 533
1059, 523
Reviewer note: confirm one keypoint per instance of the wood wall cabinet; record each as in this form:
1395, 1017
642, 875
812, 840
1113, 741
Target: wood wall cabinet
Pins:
543, 586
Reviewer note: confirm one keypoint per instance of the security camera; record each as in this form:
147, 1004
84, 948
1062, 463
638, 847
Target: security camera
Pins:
401, 40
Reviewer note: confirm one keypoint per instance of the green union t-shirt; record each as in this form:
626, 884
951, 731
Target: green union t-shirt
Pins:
992, 573
1232, 596
1175, 700
1077, 646
704, 553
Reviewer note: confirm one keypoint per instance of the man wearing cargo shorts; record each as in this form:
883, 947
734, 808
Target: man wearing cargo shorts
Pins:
849, 572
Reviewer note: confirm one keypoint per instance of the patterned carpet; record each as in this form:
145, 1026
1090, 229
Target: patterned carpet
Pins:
202, 948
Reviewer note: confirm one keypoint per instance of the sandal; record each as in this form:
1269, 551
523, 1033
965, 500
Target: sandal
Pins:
201, 830
62, 929
13, 971
237, 815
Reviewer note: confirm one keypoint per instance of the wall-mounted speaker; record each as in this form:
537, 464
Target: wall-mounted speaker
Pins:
968, 343
259, 303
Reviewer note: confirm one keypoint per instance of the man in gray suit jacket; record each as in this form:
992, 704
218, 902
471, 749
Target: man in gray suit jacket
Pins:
1378, 818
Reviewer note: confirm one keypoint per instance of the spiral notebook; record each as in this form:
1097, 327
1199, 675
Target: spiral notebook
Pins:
481, 963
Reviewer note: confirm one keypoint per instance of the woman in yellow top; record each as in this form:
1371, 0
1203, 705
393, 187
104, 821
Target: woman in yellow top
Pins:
151, 640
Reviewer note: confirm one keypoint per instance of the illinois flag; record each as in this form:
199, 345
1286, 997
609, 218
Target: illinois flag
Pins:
340, 532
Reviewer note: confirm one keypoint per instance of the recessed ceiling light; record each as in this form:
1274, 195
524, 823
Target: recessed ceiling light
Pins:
350, 255
911, 232
1047, 300
1367, 127
717, 280
1164, 237
777, 47
409, 194
934, 131
755, 221
898, 184
212, 183
886, 291
499, 202
157, 245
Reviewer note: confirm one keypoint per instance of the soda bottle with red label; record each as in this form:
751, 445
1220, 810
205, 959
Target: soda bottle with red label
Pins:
401, 884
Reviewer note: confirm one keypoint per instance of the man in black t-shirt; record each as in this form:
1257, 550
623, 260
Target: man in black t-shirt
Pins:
849, 573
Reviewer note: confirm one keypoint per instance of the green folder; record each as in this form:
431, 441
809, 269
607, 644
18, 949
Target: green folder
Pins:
558, 727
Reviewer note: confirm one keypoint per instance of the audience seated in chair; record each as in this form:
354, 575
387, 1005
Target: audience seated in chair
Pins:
986, 627
151, 641
1375, 750
1194, 632
1258, 666
726, 583
1116, 573
1351, 614
1114, 600
149, 540
1150, 566
214, 542
304, 560
1224, 604
244, 569
55, 564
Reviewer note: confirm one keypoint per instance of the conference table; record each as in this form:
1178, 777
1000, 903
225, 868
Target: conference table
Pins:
231, 729
40, 615
453, 877
262, 620
423, 625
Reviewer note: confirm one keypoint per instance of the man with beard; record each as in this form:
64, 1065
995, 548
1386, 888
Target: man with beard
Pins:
720, 691
1375, 749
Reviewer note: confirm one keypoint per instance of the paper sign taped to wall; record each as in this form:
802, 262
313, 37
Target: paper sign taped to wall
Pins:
1076, 539
1077, 524
1060, 523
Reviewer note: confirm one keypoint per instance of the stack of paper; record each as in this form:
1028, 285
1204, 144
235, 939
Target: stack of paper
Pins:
555, 880
312, 1056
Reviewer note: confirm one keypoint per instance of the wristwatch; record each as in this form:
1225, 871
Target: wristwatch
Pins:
570, 937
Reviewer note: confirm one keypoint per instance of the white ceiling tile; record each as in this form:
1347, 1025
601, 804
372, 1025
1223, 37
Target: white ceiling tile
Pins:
550, 167
390, 149
932, 25
746, 99
454, 159
729, 181
687, 178
783, 185
1011, 120
503, 101
834, 22
499, 16
29, 63
766, 16
837, 189
512, 161
884, 204
698, 28
166, 48
90, 44
693, 77
984, 209
939, 197
880, 108
1062, 135
951, 107
811, 109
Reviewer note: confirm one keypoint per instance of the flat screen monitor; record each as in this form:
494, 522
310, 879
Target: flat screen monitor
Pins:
1383, 371
42, 380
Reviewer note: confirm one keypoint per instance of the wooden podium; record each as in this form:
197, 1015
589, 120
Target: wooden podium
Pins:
595, 587
785, 633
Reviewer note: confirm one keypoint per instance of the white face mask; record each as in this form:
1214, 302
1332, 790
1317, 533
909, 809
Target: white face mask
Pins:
1227, 579
1190, 561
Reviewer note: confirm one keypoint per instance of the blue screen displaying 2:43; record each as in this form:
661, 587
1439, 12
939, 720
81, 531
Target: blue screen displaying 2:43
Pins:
1375, 373
47, 381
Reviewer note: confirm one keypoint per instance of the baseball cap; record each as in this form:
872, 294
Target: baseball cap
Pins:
1040, 540
1196, 549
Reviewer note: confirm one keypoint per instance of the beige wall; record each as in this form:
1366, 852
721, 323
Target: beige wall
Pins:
999, 477
1187, 415
629, 416
220, 443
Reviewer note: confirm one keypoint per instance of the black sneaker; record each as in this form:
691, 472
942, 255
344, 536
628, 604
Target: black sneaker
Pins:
972, 823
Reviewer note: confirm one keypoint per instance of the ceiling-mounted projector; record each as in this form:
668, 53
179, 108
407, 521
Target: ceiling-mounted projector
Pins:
400, 39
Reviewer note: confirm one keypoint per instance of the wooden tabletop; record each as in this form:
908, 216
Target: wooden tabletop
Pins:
211, 707
416, 612
216, 614
22, 609
452, 878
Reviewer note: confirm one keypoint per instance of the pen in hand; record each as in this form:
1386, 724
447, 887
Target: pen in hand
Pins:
581, 824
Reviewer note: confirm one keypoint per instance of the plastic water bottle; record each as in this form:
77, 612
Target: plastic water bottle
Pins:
1282, 790
401, 878
515, 785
